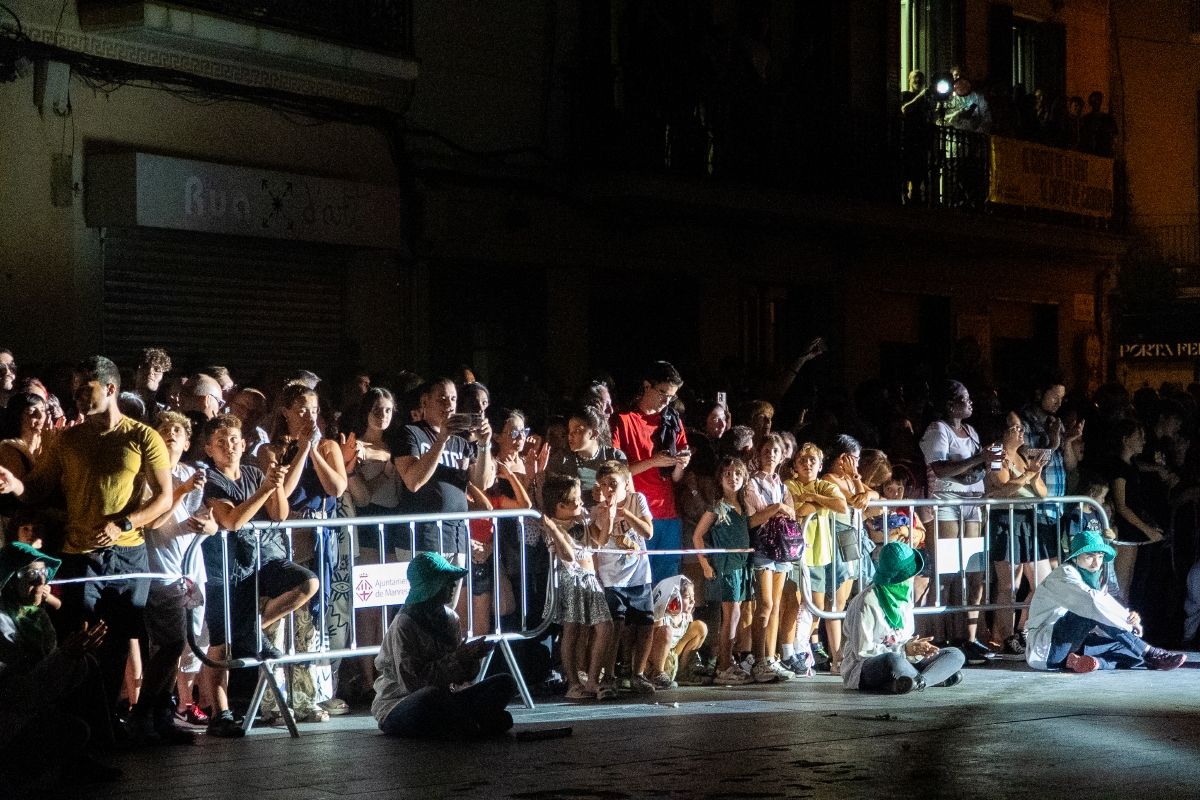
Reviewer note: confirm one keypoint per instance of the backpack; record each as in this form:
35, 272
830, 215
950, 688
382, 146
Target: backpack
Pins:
780, 539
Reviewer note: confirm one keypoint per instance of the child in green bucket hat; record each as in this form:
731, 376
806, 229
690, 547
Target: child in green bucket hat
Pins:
881, 651
1076, 625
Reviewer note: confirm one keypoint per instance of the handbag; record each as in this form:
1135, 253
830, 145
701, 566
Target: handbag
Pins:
852, 541
780, 539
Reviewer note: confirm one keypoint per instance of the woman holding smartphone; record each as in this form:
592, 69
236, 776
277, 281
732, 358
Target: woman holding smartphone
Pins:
1017, 550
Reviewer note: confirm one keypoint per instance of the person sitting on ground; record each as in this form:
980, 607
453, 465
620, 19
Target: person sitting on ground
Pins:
46, 688
1074, 623
422, 659
674, 650
881, 652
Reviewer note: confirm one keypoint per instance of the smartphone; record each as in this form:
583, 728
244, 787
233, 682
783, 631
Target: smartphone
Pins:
464, 422
721, 399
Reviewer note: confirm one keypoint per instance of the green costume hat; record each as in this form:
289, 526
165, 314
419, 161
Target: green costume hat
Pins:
17, 555
1090, 542
897, 563
427, 574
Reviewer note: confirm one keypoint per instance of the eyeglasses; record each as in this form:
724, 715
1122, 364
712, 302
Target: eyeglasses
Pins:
518, 433
33, 573
664, 395
1016, 427
9, 367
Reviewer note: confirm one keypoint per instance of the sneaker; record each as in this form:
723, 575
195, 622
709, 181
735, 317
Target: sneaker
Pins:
977, 652
223, 726
953, 680
577, 692
1157, 658
1081, 663
662, 682
746, 662
1014, 646
779, 669
821, 659
192, 714
694, 678
638, 684
269, 652
762, 672
734, 676
796, 666
902, 685
606, 692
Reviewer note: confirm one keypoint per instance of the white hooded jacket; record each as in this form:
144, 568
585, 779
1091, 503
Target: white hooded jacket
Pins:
1063, 591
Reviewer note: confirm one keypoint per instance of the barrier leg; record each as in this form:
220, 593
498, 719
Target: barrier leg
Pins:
266, 680
511, 658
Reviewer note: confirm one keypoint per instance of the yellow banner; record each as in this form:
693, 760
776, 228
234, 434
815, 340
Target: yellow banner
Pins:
1036, 176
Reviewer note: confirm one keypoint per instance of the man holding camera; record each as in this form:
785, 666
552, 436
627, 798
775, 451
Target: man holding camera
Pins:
435, 458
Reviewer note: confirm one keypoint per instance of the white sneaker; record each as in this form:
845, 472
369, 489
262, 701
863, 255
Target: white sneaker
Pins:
734, 676
762, 672
783, 672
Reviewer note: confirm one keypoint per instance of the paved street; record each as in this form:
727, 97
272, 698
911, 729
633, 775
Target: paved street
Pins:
1004, 732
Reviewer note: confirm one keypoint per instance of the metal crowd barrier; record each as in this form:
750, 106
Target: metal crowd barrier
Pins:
956, 557
357, 525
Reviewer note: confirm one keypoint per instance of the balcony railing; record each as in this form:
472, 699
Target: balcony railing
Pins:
867, 156
1177, 243
383, 25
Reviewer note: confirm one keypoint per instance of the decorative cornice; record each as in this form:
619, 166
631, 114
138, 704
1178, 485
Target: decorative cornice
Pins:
229, 70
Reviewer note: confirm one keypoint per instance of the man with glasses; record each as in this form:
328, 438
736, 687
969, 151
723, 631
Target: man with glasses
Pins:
653, 438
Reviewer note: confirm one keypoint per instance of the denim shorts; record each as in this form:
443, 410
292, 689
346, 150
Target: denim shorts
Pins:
821, 578
758, 562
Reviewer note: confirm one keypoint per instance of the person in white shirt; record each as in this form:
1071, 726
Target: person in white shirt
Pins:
881, 651
1074, 624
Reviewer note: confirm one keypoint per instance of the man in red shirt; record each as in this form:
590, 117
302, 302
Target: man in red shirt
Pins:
652, 437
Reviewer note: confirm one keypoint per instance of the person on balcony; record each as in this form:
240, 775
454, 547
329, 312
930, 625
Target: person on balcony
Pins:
968, 110
1097, 129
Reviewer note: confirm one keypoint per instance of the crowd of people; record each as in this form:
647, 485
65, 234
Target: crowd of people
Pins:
121, 482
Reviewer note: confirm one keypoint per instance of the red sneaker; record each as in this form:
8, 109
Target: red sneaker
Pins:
192, 714
1157, 658
1081, 663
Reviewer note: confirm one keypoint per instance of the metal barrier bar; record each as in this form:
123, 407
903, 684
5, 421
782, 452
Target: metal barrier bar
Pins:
985, 504
323, 651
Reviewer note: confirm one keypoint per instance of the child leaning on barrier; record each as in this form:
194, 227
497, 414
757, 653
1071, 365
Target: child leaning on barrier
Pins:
621, 521
1087, 518
674, 650
727, 527
1074, 624
581, 604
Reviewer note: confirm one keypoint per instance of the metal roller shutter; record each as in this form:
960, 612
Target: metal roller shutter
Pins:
253, 305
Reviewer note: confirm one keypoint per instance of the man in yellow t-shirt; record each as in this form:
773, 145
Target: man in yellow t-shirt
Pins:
104, 467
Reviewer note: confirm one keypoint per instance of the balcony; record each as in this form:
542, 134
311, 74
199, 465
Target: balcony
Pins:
862, 156
384, 26
1175, 243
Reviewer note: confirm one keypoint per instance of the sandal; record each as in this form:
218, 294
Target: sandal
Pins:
317, 714
335, 706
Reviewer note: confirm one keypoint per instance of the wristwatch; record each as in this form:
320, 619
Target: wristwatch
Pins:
125, 524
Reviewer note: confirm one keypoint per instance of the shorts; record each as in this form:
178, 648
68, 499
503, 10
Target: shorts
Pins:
274, 578
1024, 546
820, 579
758, 562
633, 604
951, 513
736, 585
451, 537
482, 575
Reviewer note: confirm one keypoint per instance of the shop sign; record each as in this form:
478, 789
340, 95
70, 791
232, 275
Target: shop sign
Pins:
1160, 350
1035, 176
128, 189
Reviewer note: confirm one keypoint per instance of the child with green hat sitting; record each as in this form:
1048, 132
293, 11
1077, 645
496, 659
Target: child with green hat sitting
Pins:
424, 688
52, 709
1075, 624
881, 651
